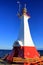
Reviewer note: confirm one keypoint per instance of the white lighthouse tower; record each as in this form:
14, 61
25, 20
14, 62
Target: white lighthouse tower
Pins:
24, 45
24, 42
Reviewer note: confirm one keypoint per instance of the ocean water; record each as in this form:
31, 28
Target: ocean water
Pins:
4, 52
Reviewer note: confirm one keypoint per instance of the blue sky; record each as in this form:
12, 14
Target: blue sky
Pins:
10, 23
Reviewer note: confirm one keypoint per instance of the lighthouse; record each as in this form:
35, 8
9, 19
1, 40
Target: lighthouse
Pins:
24, 43
24, 46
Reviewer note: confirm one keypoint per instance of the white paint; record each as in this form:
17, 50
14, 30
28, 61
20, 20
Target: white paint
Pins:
24, 37
27, 36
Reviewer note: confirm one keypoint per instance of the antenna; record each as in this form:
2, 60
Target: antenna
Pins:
25, 5
18, 6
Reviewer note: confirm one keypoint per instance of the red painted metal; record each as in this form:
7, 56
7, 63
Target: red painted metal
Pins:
23, 52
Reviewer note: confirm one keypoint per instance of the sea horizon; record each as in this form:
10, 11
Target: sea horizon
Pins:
3, 52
